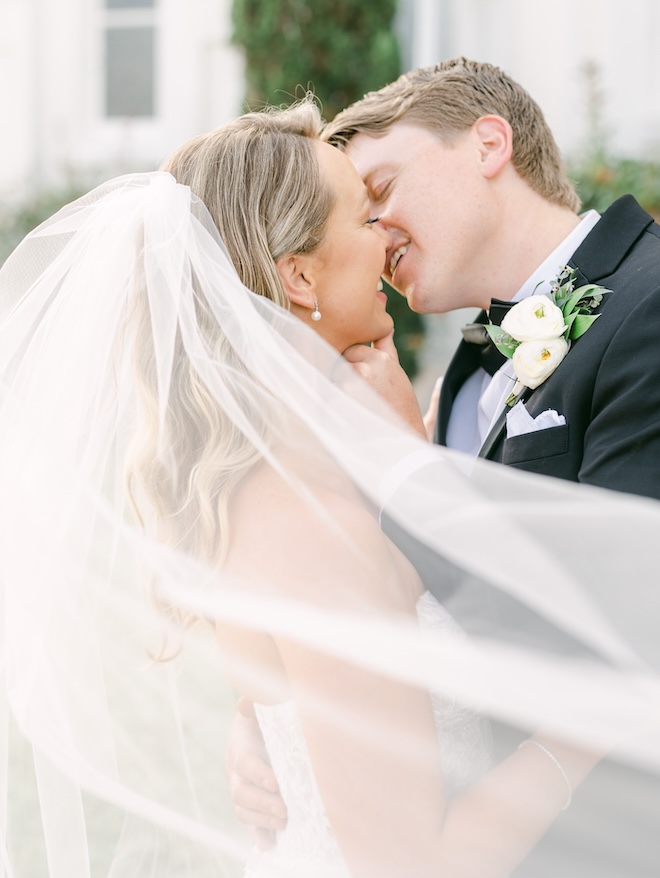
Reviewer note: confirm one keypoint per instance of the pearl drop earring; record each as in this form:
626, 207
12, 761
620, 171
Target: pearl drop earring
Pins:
316, 314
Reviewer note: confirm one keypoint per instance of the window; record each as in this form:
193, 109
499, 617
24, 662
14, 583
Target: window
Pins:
130, 50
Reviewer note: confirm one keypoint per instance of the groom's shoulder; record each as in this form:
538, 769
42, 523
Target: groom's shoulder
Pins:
623, 249
625, 220
627, 209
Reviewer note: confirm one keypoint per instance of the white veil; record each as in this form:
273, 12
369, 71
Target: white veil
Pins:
113, 754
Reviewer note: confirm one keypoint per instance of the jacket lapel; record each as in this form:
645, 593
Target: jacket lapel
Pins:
491, 440
603, 250
498, 427
464, 362
599, 256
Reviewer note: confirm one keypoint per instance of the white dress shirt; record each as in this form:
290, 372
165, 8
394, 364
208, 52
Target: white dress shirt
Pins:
481, 399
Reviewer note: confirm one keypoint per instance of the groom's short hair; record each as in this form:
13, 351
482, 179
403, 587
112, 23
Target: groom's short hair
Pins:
446, 99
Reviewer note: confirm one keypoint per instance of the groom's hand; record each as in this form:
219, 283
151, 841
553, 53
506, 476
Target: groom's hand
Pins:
253, 785
379, 366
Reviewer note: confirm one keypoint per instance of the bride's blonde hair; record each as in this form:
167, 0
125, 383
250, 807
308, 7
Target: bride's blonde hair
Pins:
260, 180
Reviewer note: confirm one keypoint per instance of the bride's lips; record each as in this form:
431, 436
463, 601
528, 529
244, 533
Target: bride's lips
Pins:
380, 293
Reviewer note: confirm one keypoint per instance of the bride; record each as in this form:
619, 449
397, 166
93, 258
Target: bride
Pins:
189, 458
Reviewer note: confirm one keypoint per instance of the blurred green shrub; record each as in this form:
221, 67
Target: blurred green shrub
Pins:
18, 219
600, 175
339, 49
602, 178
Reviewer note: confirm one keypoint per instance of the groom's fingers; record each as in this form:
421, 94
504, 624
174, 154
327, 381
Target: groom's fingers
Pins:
379, 366
258, 809
386, 345
263, 812
252, 782
257, 806
246, 756
377, 363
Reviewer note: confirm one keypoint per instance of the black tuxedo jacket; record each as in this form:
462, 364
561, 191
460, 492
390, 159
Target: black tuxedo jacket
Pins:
608, 385
608, 389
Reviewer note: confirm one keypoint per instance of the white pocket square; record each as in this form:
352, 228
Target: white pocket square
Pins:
519, 421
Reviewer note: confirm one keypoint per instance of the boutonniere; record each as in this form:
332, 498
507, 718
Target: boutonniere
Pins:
537, 332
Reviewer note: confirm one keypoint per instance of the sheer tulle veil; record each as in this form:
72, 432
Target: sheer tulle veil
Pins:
116, 695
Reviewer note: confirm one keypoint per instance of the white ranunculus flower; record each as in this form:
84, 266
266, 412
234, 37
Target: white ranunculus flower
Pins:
536, 317
534, 361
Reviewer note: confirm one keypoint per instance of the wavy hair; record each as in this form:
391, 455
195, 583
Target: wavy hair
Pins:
260, 180
259, 177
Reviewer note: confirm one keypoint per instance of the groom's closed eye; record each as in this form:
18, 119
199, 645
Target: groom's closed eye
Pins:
379, 193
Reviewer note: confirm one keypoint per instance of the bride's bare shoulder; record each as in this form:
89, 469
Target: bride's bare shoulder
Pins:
313, 536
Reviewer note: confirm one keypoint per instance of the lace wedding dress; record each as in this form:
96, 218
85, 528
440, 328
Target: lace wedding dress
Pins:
308, 842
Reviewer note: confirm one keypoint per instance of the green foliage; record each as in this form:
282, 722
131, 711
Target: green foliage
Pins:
339, 49
409, 329
18, 220
602, 178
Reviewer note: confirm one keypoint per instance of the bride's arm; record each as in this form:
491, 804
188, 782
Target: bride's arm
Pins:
495, 824
372, 739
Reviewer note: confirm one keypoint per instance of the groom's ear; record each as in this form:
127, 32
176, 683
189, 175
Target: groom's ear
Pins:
297, 275
495, 144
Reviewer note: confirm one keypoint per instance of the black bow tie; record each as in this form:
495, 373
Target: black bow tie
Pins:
498, 309
475, 333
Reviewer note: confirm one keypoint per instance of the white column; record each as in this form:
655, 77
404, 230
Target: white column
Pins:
426, 32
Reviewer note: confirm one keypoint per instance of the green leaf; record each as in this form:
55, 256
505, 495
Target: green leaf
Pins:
570, 303
569, 321
581, 323
572, 300
585, 292
502, 340
588, 289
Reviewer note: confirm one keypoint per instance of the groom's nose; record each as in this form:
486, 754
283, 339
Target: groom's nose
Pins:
384, 233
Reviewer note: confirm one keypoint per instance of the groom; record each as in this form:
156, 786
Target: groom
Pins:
464, 173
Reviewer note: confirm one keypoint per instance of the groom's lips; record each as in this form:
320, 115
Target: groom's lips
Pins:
395, 258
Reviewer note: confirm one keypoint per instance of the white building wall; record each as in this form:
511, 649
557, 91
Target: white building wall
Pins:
545, 45
52, 75
52, 99
18, 75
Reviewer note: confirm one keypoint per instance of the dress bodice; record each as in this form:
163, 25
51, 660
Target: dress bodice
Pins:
308, 841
